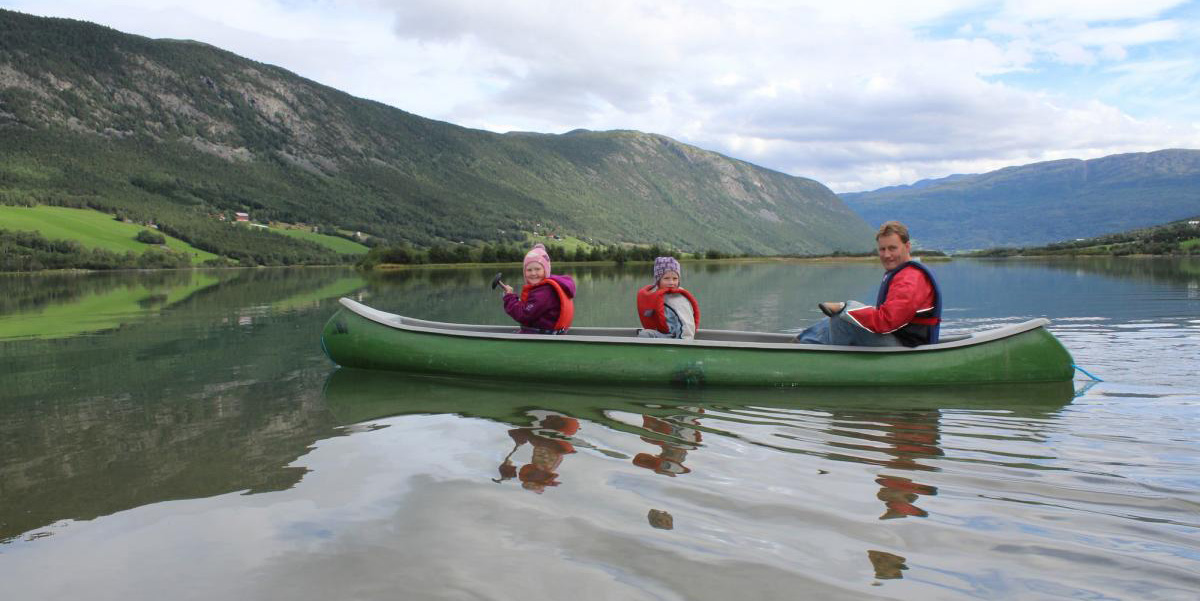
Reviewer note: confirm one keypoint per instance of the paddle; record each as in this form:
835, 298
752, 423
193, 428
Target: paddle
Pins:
496, 280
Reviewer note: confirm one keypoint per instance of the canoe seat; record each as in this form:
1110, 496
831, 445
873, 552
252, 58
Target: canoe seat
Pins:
954, 338
736, 336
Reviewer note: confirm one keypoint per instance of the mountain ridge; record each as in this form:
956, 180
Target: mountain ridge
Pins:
1045, 202
177, 130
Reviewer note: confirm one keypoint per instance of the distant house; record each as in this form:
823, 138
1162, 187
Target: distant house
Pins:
242, 216
1194, 223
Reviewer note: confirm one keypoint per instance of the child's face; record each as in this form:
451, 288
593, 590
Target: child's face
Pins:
534, 273
669, 279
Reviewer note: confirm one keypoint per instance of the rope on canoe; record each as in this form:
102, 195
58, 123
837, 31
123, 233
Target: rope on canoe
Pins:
1086, 373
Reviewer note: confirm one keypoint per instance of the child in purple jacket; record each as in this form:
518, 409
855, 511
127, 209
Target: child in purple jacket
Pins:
546, 304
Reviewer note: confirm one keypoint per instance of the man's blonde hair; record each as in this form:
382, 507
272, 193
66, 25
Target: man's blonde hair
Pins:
893, 227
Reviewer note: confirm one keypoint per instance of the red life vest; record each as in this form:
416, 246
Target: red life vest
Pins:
652, 305
566, 306
564, 425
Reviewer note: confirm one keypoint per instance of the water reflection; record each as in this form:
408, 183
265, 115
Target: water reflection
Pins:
888, 566
210, 396
899, 496
839, 425
550, 442
907, 439
678, 436
46, 306
287, 477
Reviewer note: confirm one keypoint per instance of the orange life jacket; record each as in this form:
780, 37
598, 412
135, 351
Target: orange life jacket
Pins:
566, 306
652, 305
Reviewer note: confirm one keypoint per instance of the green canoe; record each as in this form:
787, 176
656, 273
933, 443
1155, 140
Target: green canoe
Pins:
362, 337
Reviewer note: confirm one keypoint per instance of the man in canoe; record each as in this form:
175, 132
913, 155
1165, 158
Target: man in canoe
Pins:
907, 310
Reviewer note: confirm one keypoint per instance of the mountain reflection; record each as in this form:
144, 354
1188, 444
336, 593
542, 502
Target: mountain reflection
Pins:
192, 403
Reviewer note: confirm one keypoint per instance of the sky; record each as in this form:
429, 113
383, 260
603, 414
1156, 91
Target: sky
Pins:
854, 94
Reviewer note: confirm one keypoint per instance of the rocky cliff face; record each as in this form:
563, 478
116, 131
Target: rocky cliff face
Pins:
227, 133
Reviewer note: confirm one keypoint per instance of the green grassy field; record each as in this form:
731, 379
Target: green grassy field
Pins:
1189, 244
568, 243
92, 229
334, 243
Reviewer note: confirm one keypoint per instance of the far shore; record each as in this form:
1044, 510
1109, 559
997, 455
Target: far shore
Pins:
735, 260
729, 261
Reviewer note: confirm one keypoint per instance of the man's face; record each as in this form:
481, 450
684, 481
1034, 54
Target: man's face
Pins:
893, 252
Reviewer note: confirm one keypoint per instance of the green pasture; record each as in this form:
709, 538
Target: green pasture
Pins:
1189, 244
334, 243
92, 229
100, 311
568, 243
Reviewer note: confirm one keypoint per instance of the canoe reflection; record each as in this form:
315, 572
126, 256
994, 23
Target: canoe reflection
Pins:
355, 396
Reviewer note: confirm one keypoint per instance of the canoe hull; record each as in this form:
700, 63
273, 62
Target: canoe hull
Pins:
353, 340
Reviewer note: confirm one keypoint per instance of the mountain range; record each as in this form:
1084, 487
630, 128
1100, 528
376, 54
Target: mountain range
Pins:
1041, 203
176, 132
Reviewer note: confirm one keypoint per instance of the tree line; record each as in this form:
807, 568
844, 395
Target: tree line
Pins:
1176, 238
514, 253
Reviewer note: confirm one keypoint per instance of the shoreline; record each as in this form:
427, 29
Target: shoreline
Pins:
384, 267
735, 260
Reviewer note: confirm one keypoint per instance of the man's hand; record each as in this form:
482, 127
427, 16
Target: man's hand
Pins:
831, 309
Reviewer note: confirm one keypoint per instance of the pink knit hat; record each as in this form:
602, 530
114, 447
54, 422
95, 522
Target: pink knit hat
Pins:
537, 254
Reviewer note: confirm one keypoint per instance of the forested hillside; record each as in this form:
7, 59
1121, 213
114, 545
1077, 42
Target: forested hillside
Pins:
1043, 202
177, 132
1176, 238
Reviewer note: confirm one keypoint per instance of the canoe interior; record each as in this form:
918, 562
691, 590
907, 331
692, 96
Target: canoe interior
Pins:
625, 335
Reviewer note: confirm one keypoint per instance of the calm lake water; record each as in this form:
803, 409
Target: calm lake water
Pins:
180, 436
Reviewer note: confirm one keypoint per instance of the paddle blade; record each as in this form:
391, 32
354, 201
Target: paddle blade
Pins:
496, 280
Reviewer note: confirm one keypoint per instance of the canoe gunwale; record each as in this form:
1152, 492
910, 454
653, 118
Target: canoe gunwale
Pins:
628, 335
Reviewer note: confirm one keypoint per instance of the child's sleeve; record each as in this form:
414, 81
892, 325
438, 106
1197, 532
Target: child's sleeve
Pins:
528, 312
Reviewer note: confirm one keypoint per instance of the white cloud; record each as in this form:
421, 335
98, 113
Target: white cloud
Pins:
856, 95
1087, 10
